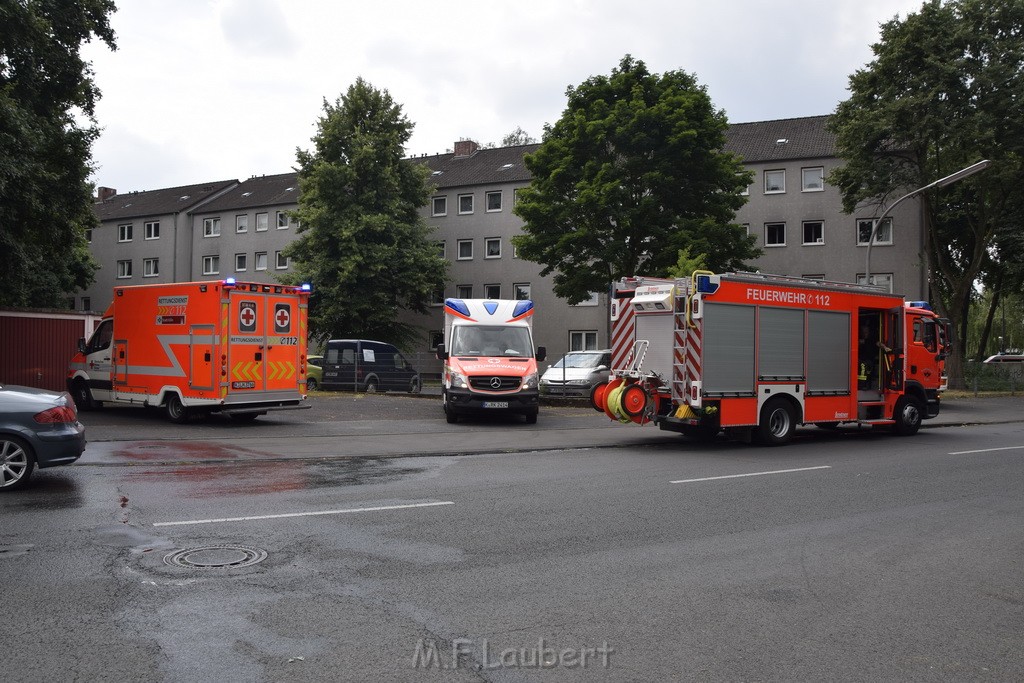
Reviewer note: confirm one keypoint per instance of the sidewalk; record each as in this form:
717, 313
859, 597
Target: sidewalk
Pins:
966, 410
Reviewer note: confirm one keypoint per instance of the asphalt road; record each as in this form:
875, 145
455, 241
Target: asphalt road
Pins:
609, 552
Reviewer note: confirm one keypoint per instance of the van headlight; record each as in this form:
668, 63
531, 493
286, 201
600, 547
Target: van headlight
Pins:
459, 380
530, 381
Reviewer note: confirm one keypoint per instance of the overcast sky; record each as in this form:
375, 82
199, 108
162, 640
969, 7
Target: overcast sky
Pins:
203, 90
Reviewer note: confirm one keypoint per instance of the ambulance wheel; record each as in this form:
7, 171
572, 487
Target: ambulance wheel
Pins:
176, 412
908, 416
83, 396
371, 386
778, 422
450, 415
531, 418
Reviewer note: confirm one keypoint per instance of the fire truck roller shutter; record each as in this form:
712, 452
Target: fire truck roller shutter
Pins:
828, 352
728, 364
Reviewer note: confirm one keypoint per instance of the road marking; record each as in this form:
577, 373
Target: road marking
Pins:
988, 450
751, 474
305, 514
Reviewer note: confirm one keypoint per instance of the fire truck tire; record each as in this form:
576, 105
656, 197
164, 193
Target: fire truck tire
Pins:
83, 397
908, 416
176, 412
778, 422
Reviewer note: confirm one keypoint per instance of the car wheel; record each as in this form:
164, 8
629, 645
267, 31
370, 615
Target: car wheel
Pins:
176, 412
83, 396
16, 463
908, 416
414, 385
371, 386
531, 418
778, 422
311, 384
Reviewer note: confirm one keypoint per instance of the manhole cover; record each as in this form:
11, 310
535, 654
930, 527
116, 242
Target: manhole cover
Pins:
217, 556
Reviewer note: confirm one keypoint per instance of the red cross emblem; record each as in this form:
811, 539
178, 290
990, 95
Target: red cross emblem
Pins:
282, 318
247, 316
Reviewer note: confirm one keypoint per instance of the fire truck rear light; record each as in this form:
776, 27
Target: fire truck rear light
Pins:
58, 415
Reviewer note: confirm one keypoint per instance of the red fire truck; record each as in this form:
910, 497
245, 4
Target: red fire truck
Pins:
756, 355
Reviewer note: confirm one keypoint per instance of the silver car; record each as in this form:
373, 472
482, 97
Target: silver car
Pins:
576, 373
38, 427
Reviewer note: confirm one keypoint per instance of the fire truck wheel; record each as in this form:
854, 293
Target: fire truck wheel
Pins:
82, 396
777, 424
908, 416
176, 412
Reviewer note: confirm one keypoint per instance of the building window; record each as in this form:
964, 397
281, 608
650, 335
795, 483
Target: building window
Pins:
814, 232
241, 262
211, 227
439, 206
492, 247
465, 250
124, 233
262, 222
592, 301
583, 340
86, 303
515, 196
464, 292
242, 222
150, 267
745, 191
211, 265
124, 269
465, 204
812, 179
774, 181
878, 279
152, 230
883, 235
492, 291
261, 260
282, 220
493, 200
282, 260
437, 297
442, 249
774, 234
521, 290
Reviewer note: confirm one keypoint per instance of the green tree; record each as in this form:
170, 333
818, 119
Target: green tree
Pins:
517, 138
47, 127
633, 172
945, 89
686, 264
362, 244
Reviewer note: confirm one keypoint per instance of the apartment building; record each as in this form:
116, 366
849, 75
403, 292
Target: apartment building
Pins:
232, 229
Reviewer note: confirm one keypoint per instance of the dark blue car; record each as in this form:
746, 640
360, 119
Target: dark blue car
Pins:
38, 428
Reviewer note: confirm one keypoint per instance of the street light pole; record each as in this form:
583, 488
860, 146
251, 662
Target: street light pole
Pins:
941, 182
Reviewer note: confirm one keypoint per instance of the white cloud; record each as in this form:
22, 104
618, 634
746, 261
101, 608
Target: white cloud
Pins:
212, 89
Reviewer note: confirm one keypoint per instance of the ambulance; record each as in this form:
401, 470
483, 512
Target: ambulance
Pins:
489, 361
192, 348
756, 355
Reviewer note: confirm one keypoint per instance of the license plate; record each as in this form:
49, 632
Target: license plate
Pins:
495, 404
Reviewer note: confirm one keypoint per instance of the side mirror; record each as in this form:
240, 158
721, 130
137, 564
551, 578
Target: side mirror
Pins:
440, 353
542, 353
600, 368
81, 344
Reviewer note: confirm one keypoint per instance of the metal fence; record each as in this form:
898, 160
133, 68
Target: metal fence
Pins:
1001, 377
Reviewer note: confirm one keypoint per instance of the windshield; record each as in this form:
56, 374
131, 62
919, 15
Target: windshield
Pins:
491, 340
579, 360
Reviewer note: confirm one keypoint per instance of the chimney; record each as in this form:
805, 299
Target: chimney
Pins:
466, 148
105, 193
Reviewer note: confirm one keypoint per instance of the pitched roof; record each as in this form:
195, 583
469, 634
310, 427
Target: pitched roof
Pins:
259, 191
803, 138
482, 167
158, 202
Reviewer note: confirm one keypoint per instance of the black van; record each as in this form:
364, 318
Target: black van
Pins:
366, 365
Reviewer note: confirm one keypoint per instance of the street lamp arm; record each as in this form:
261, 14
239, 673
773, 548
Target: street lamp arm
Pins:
941, 182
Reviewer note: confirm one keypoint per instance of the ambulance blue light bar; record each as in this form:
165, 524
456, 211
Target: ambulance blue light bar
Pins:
306, 287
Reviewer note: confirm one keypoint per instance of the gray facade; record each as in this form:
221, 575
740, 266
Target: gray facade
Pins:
795, 216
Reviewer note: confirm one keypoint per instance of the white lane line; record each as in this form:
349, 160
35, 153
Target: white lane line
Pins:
751, 474
304, 514
988, 450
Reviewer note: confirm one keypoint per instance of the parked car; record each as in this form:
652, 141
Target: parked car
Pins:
367, 365
1004, 358
314, 372
577, 373
38, 427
